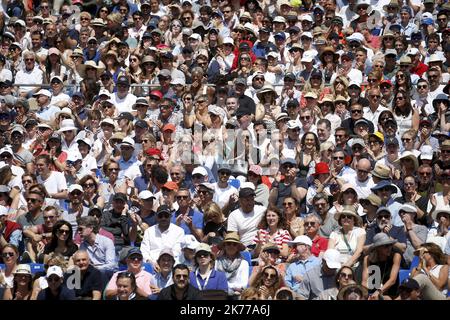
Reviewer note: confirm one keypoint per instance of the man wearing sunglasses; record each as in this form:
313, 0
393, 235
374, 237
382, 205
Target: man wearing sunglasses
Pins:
144, 279
383, 223
181, 289
162, 235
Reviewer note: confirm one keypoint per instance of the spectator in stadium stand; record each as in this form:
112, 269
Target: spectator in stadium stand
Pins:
388, 59
56, 290
181, 289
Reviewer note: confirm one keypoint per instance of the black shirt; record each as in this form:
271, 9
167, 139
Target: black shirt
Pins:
191, 293
90, 281
63, 294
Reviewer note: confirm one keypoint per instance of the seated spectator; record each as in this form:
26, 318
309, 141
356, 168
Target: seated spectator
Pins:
383, 255
10, 258
321, 277
116, 221
40, 280
384, 224
233, 265
39, 236
267, 282
188, 246
415, 234
205, 277
144, 280
56, 290
181, 289
301, 259
61, 242
162, 235
164, 267
344, 277
432, 264
272, 228
10, 231
319, 244
126, 287
100, 249
353, 291
22, 284
90, 278
349, 238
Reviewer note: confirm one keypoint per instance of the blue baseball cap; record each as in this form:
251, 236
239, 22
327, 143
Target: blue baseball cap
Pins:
280, 35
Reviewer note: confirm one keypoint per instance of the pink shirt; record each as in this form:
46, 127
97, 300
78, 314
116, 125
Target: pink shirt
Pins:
143, 280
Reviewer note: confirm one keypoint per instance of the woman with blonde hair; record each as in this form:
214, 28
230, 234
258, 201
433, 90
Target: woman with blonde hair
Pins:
215, 223
340, 87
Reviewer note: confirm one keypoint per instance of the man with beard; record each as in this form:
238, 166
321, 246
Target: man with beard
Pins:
181, 289
384, 224
188, 218
116, 221
246, 218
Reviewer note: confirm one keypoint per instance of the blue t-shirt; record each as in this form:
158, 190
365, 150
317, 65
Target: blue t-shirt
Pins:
197, 220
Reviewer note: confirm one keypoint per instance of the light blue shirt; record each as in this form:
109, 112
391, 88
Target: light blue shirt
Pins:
394, 207
299, 268
47, 113
102, 253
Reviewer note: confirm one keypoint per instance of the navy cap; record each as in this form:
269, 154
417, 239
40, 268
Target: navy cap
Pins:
134, 251
280, 35
294, 29
244, 45
348, 54
243, 111
167, 55
123, 80
120, 196
141, 124
383, 184
316, 73
187, 50
78, 94
361, 121
125, 115
265, 30
391, 140
163, 209
146, 35
410, 284
289, 75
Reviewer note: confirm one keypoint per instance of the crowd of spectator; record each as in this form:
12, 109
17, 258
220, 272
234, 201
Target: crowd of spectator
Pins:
224, 149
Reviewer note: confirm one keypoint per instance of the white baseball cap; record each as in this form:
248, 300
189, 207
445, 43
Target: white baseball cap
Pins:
74, 187
301, 240
200, 170
144, 195
54, 270
332, 258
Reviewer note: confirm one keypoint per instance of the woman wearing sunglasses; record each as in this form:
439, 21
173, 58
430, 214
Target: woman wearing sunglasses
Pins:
22, 287
10, 256
344, 277
231, 262
267, 282
61, 242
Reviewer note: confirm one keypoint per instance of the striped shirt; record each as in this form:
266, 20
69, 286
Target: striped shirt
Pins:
279, 238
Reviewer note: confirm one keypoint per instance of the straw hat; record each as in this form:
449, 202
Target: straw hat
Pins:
381, 239
381, 171
440, 209
329, 49
266, 88
81, 69
408, 155
344, 290
350, 210
234, 238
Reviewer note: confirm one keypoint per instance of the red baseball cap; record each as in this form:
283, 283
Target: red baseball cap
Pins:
386, 81
156, 93
154, 152
321, 168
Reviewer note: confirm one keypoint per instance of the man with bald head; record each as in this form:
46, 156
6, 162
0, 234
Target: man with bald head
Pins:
90, 285
363, 179
372, 112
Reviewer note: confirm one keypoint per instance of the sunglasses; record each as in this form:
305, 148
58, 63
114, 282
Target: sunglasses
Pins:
49, 217
384, 216
114, 169
270, 275
356, 111
312, 224
33, 200
182, 197
63, 231
346, 275
347, 216
338, 158
8, 254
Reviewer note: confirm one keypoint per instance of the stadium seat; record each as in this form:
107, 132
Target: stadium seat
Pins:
235, 183
149, 268
414, 263
36, 267
402, 275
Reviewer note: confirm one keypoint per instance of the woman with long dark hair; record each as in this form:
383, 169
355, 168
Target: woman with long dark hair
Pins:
61, 242
309, 154
405, 115
22, 284
267, 282
54, 66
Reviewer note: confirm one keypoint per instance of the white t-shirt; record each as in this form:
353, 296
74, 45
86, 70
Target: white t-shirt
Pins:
125, 104
55, 183
246, 224
362, 188
222, 196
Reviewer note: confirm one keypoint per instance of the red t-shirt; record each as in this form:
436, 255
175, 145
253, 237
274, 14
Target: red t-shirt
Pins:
319, 244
